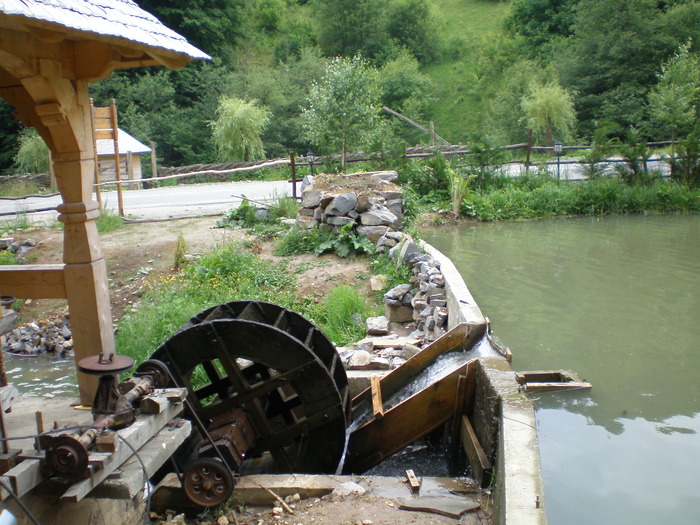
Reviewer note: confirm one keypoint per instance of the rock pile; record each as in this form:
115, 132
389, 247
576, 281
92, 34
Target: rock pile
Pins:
20, 249
39, 337
417, 309
368, 201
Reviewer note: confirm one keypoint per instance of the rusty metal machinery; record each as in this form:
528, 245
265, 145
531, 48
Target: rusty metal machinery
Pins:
264, 384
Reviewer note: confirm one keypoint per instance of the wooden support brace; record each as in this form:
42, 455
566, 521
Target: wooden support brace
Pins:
37, 281
377, 403
479, 461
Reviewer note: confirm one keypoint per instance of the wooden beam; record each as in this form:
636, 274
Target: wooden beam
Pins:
38, 281
377, 403
479, 461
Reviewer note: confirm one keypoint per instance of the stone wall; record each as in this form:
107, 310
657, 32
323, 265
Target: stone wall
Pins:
368, 201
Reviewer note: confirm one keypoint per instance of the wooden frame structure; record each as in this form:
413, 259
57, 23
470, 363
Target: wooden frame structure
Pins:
47, 59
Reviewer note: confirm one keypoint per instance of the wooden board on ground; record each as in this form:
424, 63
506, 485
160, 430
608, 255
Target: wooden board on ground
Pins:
449, 506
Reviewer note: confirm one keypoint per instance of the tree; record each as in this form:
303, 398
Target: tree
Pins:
549, 109
411, 25
352, 27
237, 129
343, 110
33, 154
672, 101
612, 59
541, 22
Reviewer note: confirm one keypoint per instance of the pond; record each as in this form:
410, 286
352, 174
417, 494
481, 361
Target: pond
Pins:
615, 299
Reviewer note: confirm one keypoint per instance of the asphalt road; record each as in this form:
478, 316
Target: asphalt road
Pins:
187, 200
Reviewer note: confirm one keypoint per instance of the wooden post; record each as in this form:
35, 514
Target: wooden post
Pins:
294, 175
154, 161
432, 133
85, 271
93, 125
529, 149
117, 167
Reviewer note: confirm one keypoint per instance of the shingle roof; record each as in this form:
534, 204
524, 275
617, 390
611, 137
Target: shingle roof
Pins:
120, 19
127, 143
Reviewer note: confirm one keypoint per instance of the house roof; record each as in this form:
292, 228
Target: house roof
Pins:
114, 21
127, 144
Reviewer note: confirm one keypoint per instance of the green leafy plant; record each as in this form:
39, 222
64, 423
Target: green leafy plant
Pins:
347, 243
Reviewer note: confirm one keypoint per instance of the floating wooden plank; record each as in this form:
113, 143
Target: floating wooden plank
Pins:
479, 461
543, 380
449, 506
377, 403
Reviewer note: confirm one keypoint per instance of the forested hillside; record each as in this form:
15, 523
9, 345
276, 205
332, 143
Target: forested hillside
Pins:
483, 71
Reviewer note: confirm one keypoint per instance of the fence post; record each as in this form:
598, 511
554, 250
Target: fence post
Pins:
529, 148
294, 174
154, 165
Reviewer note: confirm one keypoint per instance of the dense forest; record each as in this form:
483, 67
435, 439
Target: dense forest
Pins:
483, 71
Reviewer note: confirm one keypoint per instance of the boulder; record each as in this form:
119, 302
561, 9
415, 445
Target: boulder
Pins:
377, 325
339, 221
342, 204
398, 314
378, 216
373, 233
311, 198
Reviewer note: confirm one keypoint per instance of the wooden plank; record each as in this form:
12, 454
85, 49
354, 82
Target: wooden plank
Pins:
142, 430
413, 481
479, 461
36, 281
404, 423
377, 403
27, 475
8, 395
463, 334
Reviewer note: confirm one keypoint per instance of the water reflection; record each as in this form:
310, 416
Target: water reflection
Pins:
616, 300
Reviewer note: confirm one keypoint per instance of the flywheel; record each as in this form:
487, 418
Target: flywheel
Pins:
276, 367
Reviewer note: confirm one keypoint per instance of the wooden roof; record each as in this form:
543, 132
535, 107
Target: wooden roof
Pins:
138, 37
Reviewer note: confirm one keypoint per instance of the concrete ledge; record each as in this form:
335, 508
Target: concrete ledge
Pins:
519, 491
461, 305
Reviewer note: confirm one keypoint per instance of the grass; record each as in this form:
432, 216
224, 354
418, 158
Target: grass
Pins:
108, 221
538, 197
231, 273
459, 94
20, 188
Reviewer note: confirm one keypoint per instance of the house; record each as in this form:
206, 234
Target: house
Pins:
130, 151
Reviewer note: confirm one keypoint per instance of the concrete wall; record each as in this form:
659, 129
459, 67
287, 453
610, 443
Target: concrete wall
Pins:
503, 418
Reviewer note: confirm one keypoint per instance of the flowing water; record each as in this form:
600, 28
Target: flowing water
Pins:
616, 300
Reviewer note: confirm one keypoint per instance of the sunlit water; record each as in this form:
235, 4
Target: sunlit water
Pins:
616, 300
43, 375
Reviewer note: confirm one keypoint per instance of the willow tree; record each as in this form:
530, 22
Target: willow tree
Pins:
237, 129
549, 109
33, 154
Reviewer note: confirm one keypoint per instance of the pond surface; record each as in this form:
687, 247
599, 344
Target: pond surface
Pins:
43, 375
617, 301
